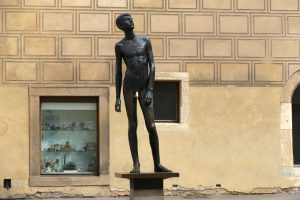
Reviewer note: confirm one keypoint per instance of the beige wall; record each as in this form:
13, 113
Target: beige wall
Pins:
232, 49
236, 146
14, 141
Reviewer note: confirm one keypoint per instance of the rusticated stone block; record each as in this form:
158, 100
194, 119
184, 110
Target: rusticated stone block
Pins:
167, 66
9, 46
112, 4
77, 46
21, 21
39, 3
21, 71
76, 3
183, 47
251, 5
217, 48
289, 88
139, 22
286, 138
158, 47
1, 20
1, 71
106, 46
251, 48
94, 22
179, 4
286, 5
58, 71
39, 46
292, 68
160, 23
268, 24
203, 72
234, 24
268, 72
9, 2
217, 4
58, 21
196, 23
94, 71
293, 25
285, 48
234, 72
156, 4
286, 116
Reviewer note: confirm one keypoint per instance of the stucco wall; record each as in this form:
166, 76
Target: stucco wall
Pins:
238, 53
14, 141
237, 146
234, 140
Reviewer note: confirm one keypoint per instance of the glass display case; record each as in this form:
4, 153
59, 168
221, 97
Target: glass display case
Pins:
69, 138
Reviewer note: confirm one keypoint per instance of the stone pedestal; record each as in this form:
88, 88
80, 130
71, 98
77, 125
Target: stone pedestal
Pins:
147, 186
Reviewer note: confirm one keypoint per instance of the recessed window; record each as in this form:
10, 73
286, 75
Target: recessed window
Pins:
69, 135
166, 101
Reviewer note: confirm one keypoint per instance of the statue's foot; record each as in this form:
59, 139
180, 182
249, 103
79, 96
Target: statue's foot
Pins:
135, 169
160, 168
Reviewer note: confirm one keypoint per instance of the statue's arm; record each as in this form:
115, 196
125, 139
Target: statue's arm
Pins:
149, 94
118, 77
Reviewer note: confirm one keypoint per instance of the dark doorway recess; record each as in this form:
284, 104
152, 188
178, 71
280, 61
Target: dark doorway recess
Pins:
296, 125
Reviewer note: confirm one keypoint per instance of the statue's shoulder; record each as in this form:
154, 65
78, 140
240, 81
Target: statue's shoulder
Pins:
119, 45
144, 38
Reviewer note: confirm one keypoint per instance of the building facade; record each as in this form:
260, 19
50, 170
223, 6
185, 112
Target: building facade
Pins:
235, 64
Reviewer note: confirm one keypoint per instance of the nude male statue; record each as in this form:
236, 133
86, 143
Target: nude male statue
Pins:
136, 51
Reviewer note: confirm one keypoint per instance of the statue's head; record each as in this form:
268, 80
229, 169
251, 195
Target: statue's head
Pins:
125, 22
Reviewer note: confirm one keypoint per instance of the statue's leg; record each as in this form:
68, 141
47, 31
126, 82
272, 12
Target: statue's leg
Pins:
148, 113
130, 104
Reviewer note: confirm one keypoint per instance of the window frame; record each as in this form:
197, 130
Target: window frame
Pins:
183, 99
35, 94
288, 168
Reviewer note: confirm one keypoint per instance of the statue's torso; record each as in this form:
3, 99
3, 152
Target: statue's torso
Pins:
134, 54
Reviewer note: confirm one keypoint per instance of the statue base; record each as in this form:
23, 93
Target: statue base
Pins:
147, 186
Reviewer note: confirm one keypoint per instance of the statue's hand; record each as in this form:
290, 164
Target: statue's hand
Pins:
148, 98
118, 105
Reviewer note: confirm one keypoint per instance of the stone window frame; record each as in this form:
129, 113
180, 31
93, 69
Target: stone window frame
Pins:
183, 79
35, 94
286, 127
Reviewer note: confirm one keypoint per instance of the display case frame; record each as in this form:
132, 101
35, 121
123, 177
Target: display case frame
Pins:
66, 141
36, 93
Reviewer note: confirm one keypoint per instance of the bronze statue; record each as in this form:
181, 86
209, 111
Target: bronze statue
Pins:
136, 51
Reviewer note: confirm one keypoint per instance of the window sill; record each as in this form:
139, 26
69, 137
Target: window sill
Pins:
61, 181
296, 171
172, 127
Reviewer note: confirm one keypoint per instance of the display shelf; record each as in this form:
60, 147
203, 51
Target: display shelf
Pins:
69, 138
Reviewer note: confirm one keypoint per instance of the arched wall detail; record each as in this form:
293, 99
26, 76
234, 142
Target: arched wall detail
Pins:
286, 132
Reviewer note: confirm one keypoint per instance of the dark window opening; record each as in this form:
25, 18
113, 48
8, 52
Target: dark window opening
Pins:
166, 101
296, 125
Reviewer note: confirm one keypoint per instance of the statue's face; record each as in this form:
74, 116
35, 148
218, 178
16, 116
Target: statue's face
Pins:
127, 23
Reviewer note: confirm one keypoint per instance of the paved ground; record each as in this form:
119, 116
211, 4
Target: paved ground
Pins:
284, 196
